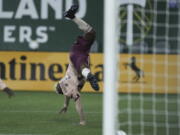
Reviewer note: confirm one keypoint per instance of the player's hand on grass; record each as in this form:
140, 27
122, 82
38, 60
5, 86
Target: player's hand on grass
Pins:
82, 123
63, 110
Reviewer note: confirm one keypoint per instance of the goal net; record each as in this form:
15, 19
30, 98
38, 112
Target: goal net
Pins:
149, 68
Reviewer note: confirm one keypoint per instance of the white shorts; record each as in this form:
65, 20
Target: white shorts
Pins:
69, 83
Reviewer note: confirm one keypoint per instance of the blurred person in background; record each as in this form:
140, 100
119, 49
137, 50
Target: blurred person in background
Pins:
6, 89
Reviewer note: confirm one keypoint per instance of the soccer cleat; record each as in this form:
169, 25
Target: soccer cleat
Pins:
71, 12
93, 81
8, 91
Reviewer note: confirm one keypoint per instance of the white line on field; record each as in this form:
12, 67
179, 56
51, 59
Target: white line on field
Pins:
21, 134
25, 111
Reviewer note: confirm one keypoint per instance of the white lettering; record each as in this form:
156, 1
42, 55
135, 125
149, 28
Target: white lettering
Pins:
26, 8
68, 4
8, 31
5, 14
42, 34
56, 5
25, 33
82, 8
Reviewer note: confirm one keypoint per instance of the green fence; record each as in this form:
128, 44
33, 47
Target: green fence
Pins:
42, 20
156, 25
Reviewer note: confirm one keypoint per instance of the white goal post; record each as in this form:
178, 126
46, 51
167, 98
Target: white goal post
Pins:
110, 64
142, 48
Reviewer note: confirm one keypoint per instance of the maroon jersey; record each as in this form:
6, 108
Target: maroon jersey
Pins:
79, 54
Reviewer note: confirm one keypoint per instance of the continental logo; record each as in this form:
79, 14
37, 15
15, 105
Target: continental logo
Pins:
21, 68
40, 70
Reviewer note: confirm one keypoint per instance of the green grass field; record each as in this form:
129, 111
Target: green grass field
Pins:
148, 114
36, 113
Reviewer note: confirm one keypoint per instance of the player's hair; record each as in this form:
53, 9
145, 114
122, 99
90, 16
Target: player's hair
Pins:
59, 89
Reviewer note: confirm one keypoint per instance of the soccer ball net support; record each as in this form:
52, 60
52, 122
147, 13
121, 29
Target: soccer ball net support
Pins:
150, 104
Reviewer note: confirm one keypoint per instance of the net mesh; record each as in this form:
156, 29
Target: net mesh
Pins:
149, 98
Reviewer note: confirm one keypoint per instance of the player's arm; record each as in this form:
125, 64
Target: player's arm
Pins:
66, 104
79, 110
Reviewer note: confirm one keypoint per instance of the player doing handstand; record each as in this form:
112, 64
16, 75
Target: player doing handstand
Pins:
78, 71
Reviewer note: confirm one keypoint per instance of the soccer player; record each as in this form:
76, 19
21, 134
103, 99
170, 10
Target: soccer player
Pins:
78, 71
5, 89
139, 73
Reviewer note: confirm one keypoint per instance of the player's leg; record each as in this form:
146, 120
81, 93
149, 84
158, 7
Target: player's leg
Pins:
79, 110
82, 66
90, 77
89, 36
5, 89
89, 32
84, 26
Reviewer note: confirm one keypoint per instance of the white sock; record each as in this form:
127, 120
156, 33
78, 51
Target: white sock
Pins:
85, 72
82, 25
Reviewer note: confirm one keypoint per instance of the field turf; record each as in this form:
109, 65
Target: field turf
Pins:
36, 113
148, 114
